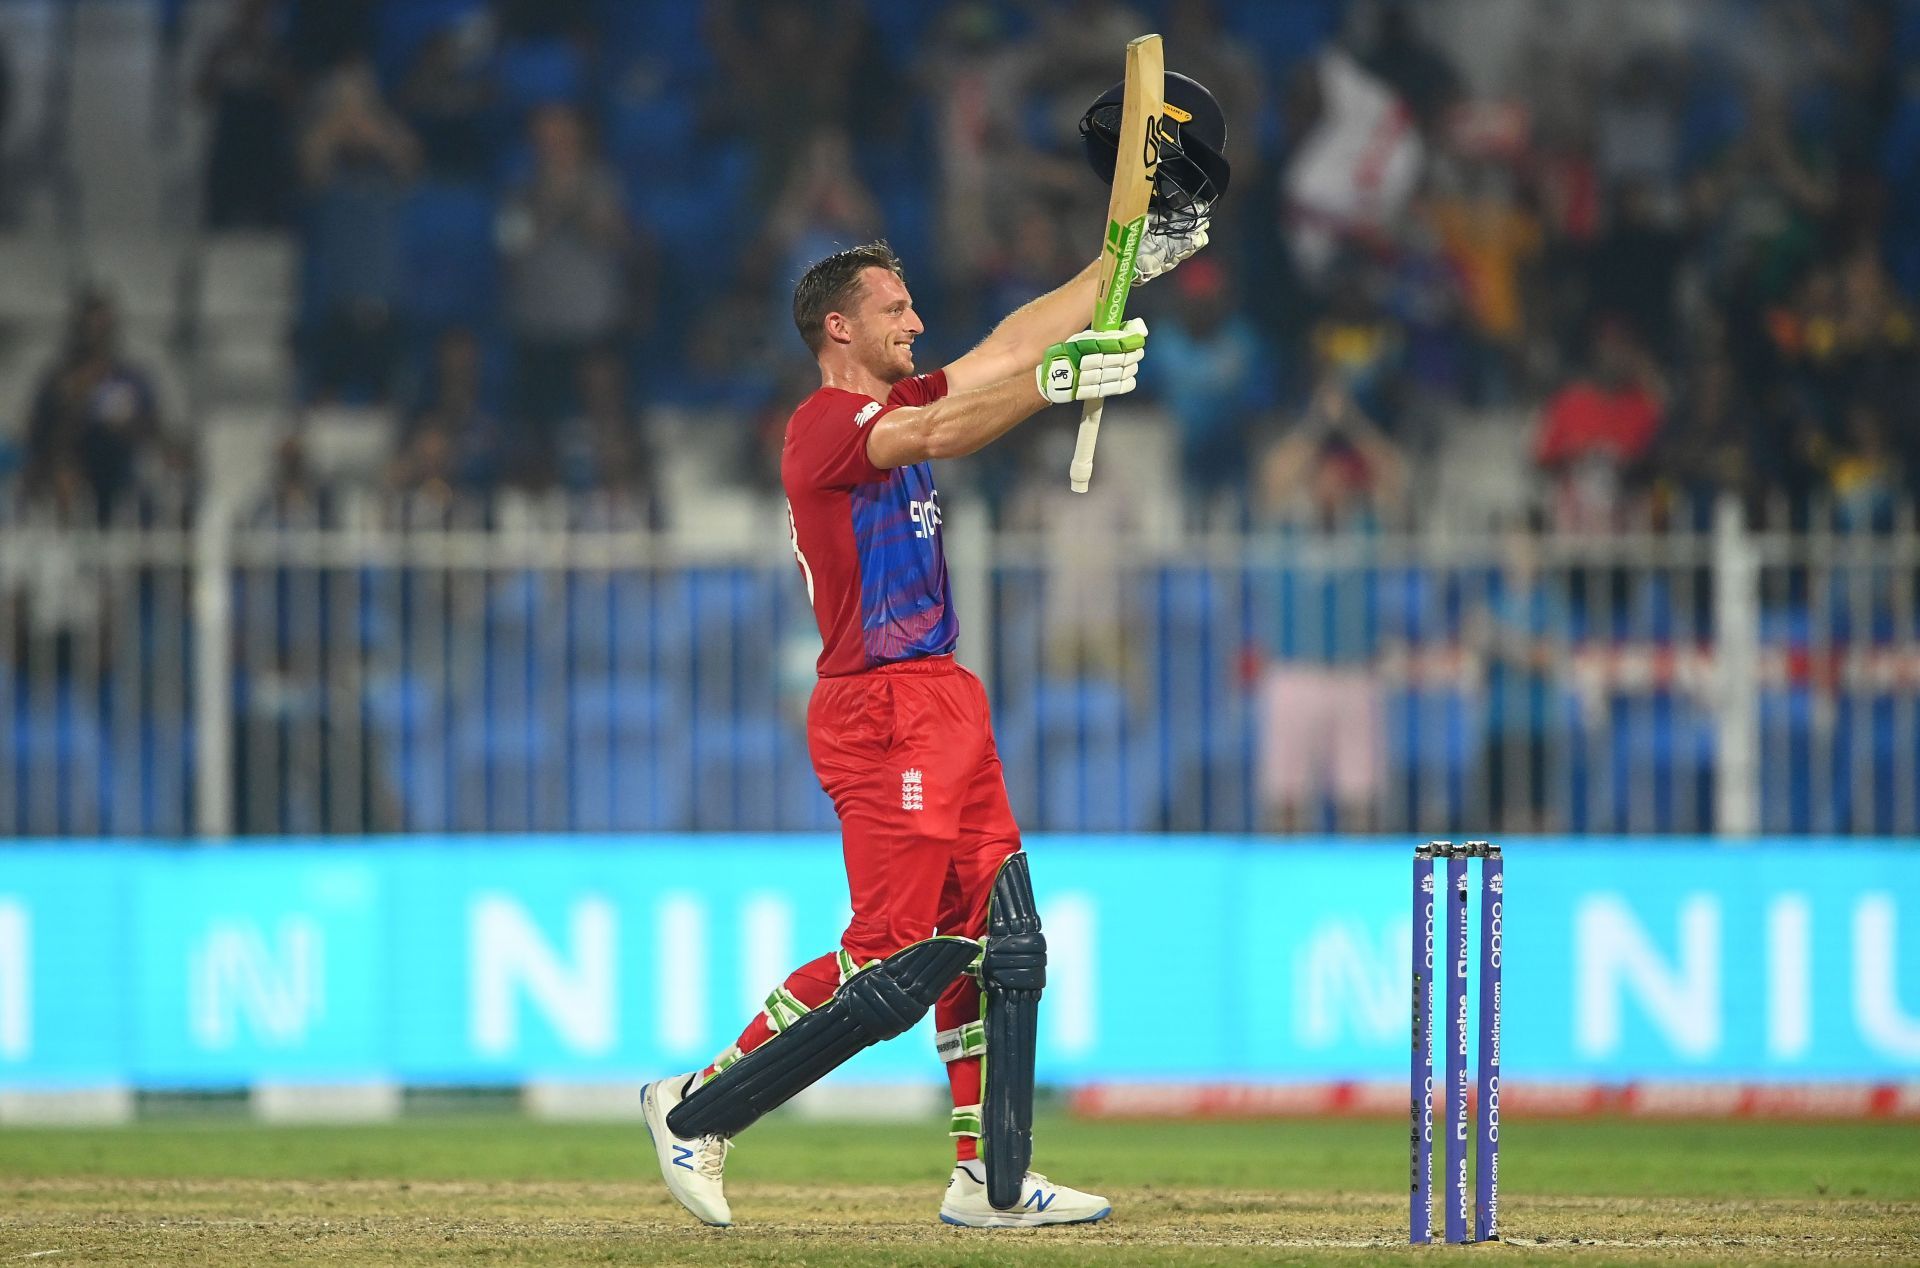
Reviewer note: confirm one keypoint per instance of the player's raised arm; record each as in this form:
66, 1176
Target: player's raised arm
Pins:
1016, 344
1091, 365
1020, 340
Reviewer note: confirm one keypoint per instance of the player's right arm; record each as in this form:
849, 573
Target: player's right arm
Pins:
953, 426
1087, 366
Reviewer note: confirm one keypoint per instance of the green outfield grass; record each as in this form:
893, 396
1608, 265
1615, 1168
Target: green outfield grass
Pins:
504, 1191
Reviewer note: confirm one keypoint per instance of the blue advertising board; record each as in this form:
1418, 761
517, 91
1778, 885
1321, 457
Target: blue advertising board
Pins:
497, 960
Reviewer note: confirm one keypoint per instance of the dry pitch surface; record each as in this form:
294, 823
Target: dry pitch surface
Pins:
501, 1191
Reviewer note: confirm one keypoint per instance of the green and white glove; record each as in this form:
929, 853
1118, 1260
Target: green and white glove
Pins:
1092, 364
1162, 248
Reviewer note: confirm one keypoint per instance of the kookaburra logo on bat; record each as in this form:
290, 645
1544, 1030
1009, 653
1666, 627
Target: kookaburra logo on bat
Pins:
1165, 128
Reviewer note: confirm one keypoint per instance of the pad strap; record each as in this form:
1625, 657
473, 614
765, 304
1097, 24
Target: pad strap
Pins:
966, 1040
966, 1121
784, 1008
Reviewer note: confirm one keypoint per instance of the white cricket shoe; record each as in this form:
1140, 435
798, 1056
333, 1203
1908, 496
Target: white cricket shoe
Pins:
1041, 1202
691, 1168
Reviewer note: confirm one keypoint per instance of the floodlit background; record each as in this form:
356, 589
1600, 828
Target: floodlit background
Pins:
390, 399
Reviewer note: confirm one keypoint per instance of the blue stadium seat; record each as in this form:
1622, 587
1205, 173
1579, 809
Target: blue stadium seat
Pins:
1434, 739
634, 708
665, 34
55, 738
657, 797
403, 717
1283, 34
403, 27
904, 29
531, 73
653, 135
448, 258
627, 764
732, 607
1786, 744
738, 771
1662, 756
1071, 764
697, 214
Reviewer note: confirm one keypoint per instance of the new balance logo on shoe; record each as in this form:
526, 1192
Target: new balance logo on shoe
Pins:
911, 797
680, 1155
1039, 1200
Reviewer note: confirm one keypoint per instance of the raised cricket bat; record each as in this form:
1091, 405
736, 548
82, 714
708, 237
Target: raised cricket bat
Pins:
1134, 168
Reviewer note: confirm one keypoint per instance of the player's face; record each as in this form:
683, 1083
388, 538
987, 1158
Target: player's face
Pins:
886, 326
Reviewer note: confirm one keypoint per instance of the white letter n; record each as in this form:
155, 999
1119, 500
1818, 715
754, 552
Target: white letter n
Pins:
508, 953
1612, 953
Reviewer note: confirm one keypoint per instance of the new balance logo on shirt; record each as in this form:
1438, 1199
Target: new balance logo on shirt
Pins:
910, 790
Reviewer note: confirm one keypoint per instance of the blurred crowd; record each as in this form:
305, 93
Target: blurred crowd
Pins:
1686, 265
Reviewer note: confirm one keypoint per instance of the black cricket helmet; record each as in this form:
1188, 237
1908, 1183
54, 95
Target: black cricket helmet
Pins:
1193, 147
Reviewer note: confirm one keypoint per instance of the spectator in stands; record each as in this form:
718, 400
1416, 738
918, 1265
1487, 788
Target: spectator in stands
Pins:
1032, 253
53, 593
95, 415
1515, 633
1637, 133
1209, 53
1635, 268
787, 73
1766, 199
957, 75
1427, 300
1877, 335
1416, 69
246, 81
1217, 380
1494, 244
322, 35
1357, 344
1711, 445
573, 264
542, 19
1596, 432
426, 473
1043, 83
356, 158
1861, 468
602, 446
1319, 696
296, 494
448, 99
458, 416
824, 205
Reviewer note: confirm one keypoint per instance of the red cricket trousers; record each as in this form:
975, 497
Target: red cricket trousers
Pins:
906, 753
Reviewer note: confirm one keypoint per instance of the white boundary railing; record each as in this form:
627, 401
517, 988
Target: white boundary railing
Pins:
552, 667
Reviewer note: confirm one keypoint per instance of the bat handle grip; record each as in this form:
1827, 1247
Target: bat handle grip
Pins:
1082, 469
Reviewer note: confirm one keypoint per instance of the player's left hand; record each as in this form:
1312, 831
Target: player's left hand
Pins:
1162, 249
1092, 364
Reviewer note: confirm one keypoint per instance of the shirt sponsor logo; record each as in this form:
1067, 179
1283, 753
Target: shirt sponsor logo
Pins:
926, 515
867, 411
